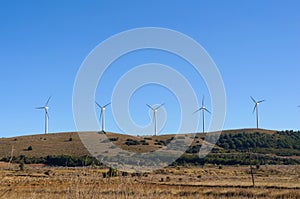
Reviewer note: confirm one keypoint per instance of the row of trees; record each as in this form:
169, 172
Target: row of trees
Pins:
60, 160
218, 159
235, 159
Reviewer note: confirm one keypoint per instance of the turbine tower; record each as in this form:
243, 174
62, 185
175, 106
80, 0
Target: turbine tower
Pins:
102, 114
203, 109
46, 108
154, 116
256, 109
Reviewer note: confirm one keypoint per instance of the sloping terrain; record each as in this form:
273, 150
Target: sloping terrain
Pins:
43, 145
267, 146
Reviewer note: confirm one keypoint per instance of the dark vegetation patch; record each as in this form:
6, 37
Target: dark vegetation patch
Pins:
284, 143
130, 142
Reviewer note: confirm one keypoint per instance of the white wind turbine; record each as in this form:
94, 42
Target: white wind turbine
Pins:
46, 108
203, 109
256, 108
154, 116
102, 114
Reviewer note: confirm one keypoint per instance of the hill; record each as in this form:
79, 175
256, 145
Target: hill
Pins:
267, 146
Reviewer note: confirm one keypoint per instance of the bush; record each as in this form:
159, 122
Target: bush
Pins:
71, 161
113, 139
22, 166
29, 148
193, 149
112, 172
160, 142
132, 142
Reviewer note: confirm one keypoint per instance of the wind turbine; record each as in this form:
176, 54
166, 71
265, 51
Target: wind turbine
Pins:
46, 108
154, 116
102, 114
203, 109
256, 108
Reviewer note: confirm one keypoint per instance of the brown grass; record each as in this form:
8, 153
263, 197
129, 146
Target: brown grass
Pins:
178, 182
43, 145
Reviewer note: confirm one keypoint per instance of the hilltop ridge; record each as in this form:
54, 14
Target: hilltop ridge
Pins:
269, 146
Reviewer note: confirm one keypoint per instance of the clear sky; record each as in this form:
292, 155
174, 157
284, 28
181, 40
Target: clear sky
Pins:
255, 44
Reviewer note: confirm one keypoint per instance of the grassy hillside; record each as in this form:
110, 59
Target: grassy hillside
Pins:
43, 145
267, 147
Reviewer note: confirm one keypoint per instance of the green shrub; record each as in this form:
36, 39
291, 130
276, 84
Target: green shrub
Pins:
22, 166
132, 142
112, 172
113, 139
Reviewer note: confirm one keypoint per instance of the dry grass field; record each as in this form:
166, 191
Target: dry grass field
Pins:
40, 181
43, 145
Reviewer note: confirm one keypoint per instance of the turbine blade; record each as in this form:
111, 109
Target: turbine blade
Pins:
150, 107
207, 110
196, 111
106, 104
261, 101
159, 106
253, 99
203, 101
199, 109
40, 108
100, 116
48, 101
98, 104
254, 108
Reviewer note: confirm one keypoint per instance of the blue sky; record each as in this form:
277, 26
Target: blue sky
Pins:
255, 45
